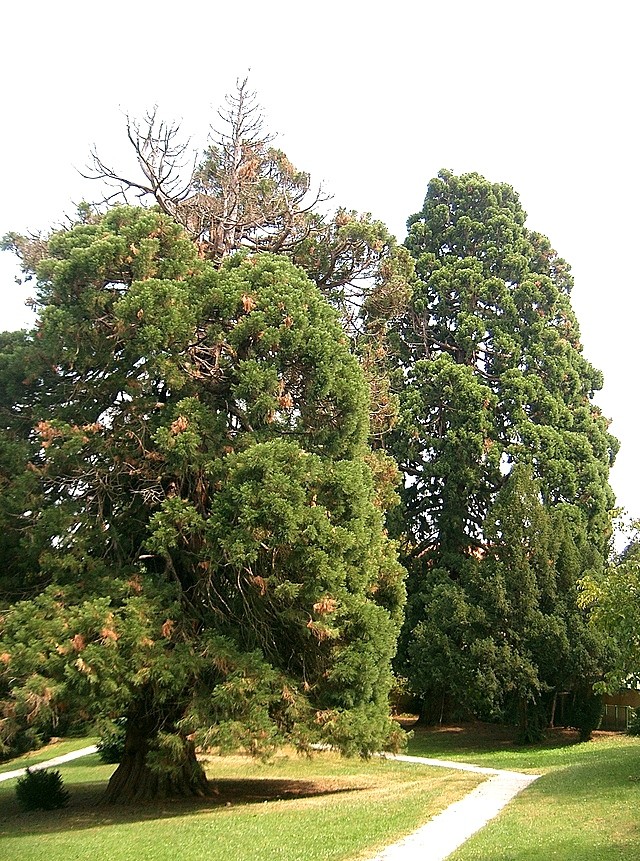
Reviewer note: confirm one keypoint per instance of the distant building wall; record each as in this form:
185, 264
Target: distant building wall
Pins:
625, 697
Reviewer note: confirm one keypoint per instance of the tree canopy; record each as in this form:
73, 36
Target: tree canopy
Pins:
612, 601
204, 529
491, 377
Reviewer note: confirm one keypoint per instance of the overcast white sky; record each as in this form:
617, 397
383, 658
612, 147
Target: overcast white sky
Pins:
373, 99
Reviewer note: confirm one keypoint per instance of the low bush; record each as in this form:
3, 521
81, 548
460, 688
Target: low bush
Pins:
41, 790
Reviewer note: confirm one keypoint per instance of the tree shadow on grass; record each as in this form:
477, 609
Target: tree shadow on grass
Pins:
477, 737
87, 808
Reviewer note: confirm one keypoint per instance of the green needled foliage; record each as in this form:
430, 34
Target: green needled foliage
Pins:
491, 376
41, 790
211, 558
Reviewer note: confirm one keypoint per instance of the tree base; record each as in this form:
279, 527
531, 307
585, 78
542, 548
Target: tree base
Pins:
133, 781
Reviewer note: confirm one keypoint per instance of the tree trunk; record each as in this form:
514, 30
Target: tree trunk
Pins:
133, 781
524, 720
553, 710
437, 708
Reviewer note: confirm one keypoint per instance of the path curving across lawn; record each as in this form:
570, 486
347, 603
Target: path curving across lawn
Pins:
584, 807
447, 831
50, 763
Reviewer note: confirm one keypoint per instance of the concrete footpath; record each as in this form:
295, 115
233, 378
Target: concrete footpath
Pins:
50, 763
443, 834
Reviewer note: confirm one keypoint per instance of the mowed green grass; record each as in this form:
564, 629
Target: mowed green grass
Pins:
585, 807
331, 809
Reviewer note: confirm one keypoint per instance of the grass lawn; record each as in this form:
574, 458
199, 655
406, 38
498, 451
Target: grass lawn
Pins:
322, 809
585, 807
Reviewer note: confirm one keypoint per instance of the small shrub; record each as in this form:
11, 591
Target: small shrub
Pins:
111, 743
634, 724
533, 732
585, 713
41, 790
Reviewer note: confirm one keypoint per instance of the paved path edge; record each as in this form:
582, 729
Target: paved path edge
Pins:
57, 760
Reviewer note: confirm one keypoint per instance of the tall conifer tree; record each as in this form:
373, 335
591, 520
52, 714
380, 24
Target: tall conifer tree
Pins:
491, 375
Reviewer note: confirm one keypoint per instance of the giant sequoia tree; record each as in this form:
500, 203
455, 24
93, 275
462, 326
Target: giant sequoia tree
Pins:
189, 510
492, 376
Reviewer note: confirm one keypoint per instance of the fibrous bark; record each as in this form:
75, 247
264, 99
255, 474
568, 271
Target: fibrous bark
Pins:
135, 781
